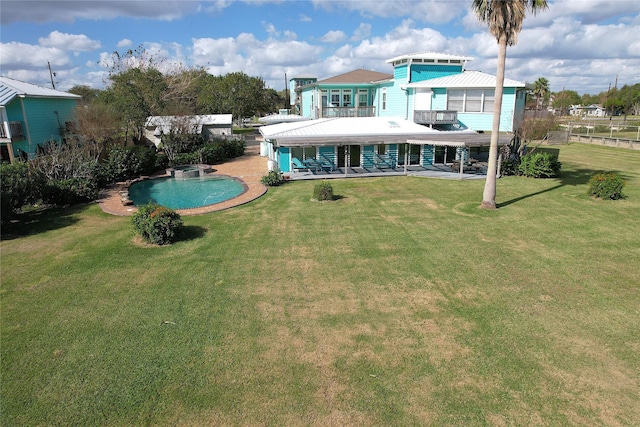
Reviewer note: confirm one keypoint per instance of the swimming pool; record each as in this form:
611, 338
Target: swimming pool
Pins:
186, 193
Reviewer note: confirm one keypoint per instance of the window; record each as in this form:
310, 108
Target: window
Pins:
473, 102
470, 100
384, 99
335, 97
363, 98
455, 100
346, 98
489, 97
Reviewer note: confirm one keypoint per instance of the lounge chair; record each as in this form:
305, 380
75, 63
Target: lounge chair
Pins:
313, 164
298, 165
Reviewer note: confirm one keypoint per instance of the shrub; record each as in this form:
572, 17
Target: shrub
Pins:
127, 163
66, 192
323, 191
273, 179
157, 224
539, 165
212, 154
606, 186
510, 166
20, 185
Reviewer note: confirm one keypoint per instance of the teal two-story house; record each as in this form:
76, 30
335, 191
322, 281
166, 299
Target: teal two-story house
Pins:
432, 89
431, 112
32, 116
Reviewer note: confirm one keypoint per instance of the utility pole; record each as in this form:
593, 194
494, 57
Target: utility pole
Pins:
286, 101
51, 74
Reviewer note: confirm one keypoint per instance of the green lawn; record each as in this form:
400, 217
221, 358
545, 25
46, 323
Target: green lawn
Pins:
399, 303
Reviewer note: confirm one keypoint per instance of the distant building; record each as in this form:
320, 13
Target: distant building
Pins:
32, 117
210, 126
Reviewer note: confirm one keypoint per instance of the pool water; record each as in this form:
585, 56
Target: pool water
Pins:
185, 193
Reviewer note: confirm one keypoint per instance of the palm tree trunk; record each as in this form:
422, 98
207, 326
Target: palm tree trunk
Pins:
489, 194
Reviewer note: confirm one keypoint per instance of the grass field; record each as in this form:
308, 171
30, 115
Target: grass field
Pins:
399, 303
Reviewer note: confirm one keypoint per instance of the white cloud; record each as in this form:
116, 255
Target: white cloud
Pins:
15, 56
69, 11
124, 43
73, 42
362, 32
333, 36
432, 11
304, 18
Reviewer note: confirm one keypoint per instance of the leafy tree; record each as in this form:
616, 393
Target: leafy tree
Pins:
504, 18
564, 99
87, 93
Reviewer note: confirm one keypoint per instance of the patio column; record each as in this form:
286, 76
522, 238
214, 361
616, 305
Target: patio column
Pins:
406, 156
462, 152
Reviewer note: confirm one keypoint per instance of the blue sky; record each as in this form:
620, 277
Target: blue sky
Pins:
581, 45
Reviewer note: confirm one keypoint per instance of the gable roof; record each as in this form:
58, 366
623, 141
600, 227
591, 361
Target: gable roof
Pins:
10, 88
467, 79
358, 76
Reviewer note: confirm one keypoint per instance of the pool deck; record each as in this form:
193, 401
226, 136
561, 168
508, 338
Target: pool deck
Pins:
249, 168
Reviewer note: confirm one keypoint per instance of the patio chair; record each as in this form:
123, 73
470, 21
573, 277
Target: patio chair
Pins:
313, 164
298, 165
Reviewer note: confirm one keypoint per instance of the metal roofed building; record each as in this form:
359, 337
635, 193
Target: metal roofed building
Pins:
366, 143
430, 88
210, 126
33, 116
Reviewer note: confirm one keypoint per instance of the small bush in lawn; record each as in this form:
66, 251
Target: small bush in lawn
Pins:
157, 224
323, 191
606, 186
539, 165
273, 178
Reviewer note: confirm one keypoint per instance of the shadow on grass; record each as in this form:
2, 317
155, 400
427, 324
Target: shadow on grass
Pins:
40, 220
191, 232
567, 177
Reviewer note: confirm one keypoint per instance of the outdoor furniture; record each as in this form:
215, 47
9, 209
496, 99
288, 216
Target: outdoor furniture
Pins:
298, 165
471, 164
314, 164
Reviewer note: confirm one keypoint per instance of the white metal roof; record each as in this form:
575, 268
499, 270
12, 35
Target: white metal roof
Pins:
357, 130
10, 88
429, 55
467, 79
282, 118
163, 124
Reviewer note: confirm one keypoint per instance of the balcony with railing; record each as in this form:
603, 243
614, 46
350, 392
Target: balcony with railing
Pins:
15, 131
365, 111
435, 117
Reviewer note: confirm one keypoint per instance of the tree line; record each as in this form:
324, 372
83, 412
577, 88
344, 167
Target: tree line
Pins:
140, 86
616, 101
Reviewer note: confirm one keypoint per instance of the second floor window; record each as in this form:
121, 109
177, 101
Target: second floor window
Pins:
470, 100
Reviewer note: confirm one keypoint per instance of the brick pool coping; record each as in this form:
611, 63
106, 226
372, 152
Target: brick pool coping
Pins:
248, 168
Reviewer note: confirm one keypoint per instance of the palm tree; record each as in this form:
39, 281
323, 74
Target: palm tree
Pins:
541, 91
504, 18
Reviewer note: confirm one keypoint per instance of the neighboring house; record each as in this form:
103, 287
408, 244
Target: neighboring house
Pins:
432, 89
295, 100
33, 116
592, 110
210, 126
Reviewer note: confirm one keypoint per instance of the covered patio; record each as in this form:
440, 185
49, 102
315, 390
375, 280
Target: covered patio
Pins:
374, 146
